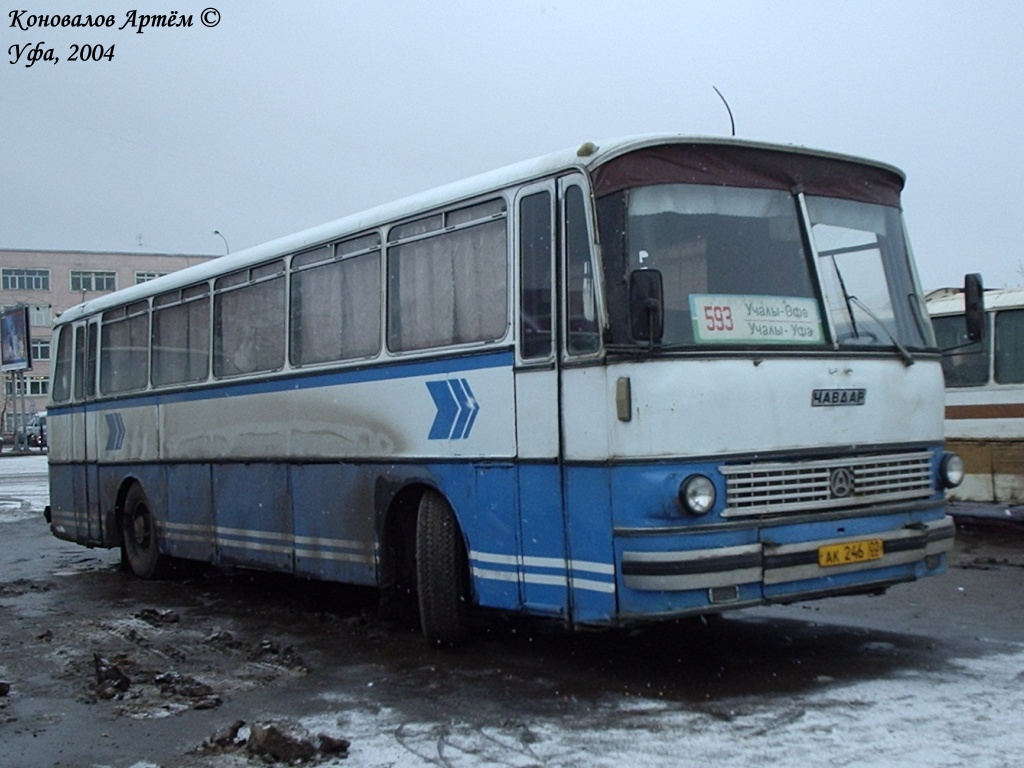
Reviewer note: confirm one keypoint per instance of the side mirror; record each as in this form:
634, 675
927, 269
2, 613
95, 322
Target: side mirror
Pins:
646, 305
974, 306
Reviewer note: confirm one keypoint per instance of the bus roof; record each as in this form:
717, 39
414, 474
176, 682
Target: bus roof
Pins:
587, 156
950, 301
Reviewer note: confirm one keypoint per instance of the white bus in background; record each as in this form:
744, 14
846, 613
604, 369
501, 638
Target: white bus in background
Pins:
985, 396
652, 378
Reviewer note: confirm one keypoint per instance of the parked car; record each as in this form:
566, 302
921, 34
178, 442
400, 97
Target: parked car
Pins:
34, 437
36, 430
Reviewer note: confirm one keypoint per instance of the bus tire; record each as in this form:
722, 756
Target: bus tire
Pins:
442, 573
138, 531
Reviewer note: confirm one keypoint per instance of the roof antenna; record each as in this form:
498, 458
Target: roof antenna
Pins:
732, 123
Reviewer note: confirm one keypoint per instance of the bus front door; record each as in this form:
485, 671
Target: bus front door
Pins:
543, 554
84, 457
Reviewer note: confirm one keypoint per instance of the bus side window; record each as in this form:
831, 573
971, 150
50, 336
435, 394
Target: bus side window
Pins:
62, 367
535, 316
1009, 355
90, 362
248, 325
181, 336
964, 362
125, 356
449, 287
335, 306
80, 351
580, 300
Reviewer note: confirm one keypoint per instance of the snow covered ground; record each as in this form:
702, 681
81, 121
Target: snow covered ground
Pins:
23, 486
968, 714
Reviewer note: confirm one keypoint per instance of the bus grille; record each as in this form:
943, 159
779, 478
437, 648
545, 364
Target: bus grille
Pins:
778, 488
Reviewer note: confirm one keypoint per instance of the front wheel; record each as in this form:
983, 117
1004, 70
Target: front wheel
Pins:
138, 532
442, 573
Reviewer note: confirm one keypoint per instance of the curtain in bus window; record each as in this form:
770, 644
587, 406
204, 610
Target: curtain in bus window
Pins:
1009, 357
181, 342
449, 289
335, 310
249, 329
124, 359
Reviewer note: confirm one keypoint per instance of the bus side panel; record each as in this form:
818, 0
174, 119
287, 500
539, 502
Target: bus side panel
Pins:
111, 478
59, 436
86, 475
64, 524
483, 499
994, 470
69, 476
334, 522
82, 475
494, 522
440, 409
978, 484
591, 558
189, 528
253, 515
1008, 473
545, 568
512, 519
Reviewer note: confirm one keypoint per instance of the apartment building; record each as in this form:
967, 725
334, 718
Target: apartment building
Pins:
48, 282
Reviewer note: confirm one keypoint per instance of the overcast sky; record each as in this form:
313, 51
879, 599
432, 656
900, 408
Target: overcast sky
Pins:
286, 115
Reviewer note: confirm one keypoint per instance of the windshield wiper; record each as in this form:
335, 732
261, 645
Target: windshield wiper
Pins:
852, 300
908, 360
846, 296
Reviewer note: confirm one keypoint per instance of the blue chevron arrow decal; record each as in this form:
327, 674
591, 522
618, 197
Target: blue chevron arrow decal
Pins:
115, 431
456, 409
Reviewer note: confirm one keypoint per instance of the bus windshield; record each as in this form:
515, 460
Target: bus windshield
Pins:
736, 270
866, 278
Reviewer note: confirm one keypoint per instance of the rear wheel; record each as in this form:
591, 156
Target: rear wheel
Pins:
138, 532
442, 573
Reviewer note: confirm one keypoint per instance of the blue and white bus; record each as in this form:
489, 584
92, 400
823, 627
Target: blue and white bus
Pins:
649, 378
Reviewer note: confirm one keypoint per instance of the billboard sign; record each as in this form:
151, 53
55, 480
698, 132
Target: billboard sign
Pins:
15, 348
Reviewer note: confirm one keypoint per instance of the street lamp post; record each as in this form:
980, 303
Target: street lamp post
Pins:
227, 248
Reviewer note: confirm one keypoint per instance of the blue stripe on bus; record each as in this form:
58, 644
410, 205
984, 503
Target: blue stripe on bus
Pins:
297, 380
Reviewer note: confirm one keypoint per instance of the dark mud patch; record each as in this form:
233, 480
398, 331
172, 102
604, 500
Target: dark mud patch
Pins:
20, 587
280, 742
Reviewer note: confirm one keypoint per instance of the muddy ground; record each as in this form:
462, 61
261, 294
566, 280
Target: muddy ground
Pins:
98, 668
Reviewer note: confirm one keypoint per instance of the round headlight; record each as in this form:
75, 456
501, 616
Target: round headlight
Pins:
951, 470
697, 495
